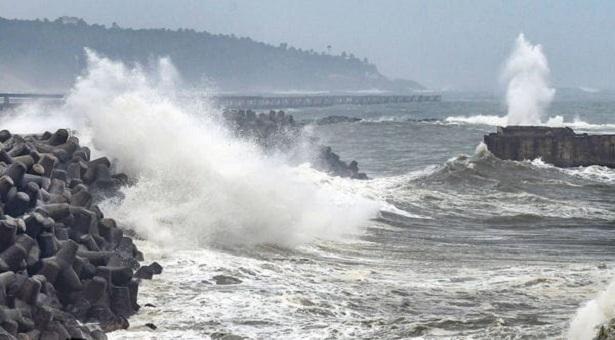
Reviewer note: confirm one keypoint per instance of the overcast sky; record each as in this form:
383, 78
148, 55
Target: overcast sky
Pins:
452, 44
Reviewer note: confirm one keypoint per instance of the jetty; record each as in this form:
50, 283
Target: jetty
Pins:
10, 100
561, 147
297, 101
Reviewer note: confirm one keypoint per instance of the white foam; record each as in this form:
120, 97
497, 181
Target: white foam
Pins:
593, 314
594, 172
196, 183
478, 120
528, 93
386, 119
556, 121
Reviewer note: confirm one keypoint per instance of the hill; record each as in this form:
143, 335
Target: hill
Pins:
47, 55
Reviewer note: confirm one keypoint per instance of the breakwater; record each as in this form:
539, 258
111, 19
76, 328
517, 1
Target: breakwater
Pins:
558, 146
278, 130
62, 263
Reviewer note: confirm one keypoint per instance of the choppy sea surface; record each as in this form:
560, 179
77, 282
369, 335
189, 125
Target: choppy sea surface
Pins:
464, 245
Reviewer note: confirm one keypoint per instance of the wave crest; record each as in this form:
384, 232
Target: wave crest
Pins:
197, 183
556, 121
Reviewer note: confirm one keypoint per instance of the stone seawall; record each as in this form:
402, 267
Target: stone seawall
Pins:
66, 271
278, 130
558, 146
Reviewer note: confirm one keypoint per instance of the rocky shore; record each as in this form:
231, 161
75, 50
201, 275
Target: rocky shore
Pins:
277, 129
66, 271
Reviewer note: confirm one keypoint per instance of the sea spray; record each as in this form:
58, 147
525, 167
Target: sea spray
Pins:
593, 314
528, 94
196, 182
576, 124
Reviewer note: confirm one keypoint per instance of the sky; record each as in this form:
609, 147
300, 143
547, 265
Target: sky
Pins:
443, 44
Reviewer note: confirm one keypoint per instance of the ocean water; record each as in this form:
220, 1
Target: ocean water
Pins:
463, 246
443, 242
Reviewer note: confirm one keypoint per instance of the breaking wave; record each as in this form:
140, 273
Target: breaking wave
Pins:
196, 182
593, 314
556, 121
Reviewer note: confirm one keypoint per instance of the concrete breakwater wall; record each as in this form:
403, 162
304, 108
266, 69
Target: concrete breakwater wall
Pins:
558, 146
278, 130
62, 263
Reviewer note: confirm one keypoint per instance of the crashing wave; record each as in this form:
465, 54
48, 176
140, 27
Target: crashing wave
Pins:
197, 183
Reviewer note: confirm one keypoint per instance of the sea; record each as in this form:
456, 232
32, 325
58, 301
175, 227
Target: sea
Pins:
444, 241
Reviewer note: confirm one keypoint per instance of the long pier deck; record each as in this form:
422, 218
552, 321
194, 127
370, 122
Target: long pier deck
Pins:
281, 102
10, 100
259, 102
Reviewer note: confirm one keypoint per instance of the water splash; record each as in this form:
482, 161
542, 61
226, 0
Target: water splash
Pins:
528, 94
196, 183
593, 314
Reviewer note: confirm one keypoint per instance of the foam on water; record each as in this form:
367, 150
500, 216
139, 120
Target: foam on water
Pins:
593, 314
196, 183
556, 121
595, 173
478, 120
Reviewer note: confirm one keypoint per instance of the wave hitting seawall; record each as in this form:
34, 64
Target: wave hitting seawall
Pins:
62, 263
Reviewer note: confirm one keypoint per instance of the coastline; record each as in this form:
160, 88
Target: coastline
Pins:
66, 270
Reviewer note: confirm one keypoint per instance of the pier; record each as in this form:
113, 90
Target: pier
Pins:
282, 102
10, 100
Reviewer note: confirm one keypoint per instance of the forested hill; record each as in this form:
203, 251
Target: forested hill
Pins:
47, 55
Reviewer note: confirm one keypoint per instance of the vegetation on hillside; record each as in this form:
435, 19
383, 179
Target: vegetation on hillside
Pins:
44, 54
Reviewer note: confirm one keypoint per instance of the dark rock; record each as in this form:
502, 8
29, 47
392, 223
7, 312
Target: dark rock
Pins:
145, 273
47, 161
91, 174
6, 183
226, 280
26, 160
120, 301
17, 204
81, 199
607, 331
4, 136
38, 169
278, 131
336, 120
156, 268
15, 171
226, 336
133, 289
59, 137
108, 321
119, 275
7, 234
61, 262
57, 211
13, 258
